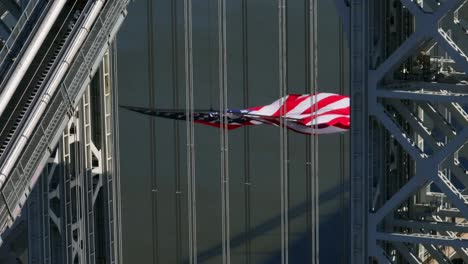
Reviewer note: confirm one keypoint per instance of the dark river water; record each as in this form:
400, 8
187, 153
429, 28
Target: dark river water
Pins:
153, 151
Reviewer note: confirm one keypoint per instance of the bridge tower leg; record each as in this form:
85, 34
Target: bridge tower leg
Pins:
409, 97
73, 209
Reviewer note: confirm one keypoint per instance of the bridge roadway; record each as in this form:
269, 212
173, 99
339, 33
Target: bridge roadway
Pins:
45, 67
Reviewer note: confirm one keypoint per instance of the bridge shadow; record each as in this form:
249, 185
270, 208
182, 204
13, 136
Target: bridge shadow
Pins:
299, 249
330, 251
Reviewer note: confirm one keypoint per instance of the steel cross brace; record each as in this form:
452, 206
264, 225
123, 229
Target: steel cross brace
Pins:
422, 239
365, 105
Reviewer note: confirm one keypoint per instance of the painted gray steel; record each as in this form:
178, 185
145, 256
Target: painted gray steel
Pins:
26, 171
405, 147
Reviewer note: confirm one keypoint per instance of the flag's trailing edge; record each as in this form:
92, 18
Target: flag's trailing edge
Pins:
322, 113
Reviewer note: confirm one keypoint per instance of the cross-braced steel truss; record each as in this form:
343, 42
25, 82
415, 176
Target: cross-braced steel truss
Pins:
71, 212
409, 94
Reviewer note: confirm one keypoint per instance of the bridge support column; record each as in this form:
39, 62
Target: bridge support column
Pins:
410, 131
73, 215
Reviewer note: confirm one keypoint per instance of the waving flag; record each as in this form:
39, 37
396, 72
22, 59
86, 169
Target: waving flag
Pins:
322, 113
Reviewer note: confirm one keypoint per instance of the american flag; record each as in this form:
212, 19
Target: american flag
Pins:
322, 113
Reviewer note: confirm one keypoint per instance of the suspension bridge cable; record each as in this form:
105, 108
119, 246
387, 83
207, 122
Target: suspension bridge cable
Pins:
283, 80
308, 144
192, 213
224, 140
247, 176
343, 210
152, 132
313, 82
175, 103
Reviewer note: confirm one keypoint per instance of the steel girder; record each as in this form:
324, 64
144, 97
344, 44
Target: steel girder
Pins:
46, 137
12, 6
11, 11
72, 213
407, 136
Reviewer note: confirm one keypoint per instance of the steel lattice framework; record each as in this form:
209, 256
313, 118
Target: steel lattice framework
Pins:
71, 212
409, 95
66, 181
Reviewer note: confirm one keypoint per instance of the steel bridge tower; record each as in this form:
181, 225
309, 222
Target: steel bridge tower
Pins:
409, 93
71, 212
59, 176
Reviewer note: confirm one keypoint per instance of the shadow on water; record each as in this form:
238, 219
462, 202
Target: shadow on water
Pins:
299, 249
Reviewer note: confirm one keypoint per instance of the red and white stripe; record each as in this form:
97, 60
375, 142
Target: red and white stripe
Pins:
322, 113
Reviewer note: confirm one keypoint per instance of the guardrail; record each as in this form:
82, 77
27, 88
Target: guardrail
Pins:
17, 75
24, 18
20, 27
51, 87
22, 36
32, 160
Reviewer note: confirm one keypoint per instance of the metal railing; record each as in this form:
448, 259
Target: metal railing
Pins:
15, 74
20, 25
34, 157
22, 106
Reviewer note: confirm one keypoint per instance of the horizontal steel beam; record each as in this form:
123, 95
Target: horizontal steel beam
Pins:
424, 95
431, 225
423, 239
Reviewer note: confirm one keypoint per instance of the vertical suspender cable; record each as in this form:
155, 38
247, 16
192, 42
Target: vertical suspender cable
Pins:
342, 147
316, 143
175, 103
247, 179
224, 142
81, 173
116, 190
283, 78
190, 132
115, 170
308, 143
313, 68
9, 88
151, 94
